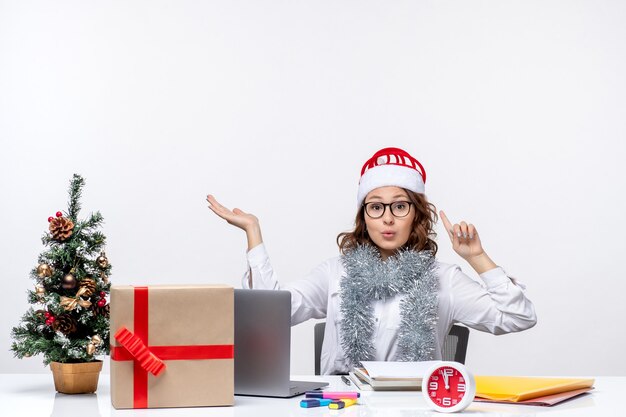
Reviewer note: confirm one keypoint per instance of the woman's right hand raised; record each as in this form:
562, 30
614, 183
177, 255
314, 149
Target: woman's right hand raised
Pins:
236, 217
245, 221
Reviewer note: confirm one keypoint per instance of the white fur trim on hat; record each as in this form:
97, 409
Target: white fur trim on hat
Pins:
389, 175
389, 168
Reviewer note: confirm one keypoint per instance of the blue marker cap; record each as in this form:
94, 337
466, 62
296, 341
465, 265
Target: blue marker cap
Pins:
310, 403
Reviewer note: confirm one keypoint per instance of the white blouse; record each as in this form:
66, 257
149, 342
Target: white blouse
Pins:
499, 306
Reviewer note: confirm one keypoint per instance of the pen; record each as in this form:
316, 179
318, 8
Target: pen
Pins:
332, 395
345, 380
337, 404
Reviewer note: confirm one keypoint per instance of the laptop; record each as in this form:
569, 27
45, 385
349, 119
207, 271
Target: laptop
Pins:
263, 345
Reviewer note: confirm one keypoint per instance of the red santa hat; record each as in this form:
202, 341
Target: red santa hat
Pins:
391, 167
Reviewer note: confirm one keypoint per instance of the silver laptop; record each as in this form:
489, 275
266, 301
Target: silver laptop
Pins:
263, 343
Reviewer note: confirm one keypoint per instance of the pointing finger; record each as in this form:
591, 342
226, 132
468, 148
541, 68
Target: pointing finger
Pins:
446, 222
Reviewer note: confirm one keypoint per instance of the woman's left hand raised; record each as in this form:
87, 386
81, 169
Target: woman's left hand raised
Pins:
466, 242
464, 238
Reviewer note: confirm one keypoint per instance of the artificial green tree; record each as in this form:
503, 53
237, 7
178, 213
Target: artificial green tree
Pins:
70, 320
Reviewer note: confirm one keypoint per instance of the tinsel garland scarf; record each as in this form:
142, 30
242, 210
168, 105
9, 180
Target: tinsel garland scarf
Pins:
410, 274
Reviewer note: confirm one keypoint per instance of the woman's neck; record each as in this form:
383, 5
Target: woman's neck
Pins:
384, 253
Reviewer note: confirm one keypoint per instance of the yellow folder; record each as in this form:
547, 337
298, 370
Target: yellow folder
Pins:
520, 388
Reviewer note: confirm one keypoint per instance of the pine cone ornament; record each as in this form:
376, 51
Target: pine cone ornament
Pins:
100, 311
65, 323
88, 285
61, 228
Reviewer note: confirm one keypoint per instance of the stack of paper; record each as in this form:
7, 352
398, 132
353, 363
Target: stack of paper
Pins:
379, 375
530, 390
363, 381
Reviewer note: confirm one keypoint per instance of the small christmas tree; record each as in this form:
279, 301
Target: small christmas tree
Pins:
71, 321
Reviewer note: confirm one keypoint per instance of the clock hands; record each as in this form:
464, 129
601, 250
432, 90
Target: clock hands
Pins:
445, 378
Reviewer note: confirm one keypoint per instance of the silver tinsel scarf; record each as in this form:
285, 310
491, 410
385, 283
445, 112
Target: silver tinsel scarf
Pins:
408, 273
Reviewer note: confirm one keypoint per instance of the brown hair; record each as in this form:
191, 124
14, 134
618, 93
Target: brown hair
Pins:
421, 237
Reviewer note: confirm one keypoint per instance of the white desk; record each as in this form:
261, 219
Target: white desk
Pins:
26, 395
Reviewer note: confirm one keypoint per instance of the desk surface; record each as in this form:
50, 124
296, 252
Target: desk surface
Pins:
34, 395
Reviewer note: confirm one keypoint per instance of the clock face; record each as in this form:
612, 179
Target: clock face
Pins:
446, 387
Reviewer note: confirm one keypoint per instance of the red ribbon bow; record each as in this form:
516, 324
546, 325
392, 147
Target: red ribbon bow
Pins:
146, 359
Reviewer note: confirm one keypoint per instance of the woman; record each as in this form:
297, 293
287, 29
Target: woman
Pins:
387, 297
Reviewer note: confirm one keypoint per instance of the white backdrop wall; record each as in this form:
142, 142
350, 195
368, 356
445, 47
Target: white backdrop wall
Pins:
516, 109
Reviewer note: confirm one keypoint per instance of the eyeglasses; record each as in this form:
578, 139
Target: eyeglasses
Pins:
376, 210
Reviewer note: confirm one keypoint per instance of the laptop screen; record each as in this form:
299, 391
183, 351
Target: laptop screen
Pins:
262, 342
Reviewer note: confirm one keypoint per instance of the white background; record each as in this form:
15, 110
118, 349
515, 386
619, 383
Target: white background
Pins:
515, 108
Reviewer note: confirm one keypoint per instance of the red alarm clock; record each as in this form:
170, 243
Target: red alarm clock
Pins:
448, 387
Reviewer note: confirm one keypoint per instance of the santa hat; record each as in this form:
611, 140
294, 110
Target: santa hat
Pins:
391, 167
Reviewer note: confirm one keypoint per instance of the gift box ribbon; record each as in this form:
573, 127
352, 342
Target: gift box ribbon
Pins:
148, 358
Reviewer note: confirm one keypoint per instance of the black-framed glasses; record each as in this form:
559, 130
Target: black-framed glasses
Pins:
376, 210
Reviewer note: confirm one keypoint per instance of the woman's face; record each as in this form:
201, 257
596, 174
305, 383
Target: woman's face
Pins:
388, 232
